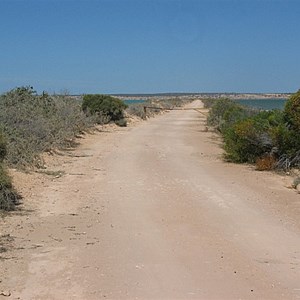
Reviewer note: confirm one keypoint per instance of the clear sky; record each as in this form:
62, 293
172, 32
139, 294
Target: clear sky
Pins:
150, 46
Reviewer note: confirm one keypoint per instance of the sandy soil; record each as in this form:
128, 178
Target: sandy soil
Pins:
152, 212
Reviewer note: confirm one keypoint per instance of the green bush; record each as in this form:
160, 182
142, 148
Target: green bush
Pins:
209, 102
247, 140
112, 108
257, 136
292, 111
262, 136
287, 136
225, 112
287, 141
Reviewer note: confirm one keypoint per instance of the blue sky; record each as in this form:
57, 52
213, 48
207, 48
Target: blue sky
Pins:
150, 46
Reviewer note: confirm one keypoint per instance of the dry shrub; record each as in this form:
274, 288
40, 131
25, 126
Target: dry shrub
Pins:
35, 123
137, 109
265, 163
296, 182
8, 196
157, 106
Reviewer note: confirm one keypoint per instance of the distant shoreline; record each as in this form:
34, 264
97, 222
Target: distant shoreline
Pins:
199, 96
196, 96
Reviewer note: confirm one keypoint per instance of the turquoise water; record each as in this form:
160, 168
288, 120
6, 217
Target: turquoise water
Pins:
128, 102
267, 104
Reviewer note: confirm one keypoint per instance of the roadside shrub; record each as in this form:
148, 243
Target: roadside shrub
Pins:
209, 102
36, 123
225, 112
8, 197
288, 135
121, 122
2, 147
265, 163
287, 141
137, 109
296, 182
247, 140
112, 108
268, 138
292, 111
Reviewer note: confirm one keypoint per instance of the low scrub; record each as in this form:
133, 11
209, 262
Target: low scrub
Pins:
152, 107
138, 109
2, 147
209, 102
173, 102
35, 123
246, 140
106, 108
8, 197
292, 111
265, 163
225, 112
271, 139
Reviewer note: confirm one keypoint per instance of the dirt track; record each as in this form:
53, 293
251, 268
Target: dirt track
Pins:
152, 212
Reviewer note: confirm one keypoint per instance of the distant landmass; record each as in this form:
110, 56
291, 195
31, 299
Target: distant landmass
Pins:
195, 96
205, 95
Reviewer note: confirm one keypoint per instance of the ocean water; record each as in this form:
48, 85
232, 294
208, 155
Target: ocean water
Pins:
128, 102
266, 104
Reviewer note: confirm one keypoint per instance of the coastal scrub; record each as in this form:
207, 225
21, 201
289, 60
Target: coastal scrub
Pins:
269, 138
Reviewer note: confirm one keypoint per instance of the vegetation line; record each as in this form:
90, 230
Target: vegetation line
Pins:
268, 139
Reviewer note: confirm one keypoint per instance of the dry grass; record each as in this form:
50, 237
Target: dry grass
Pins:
265, 163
